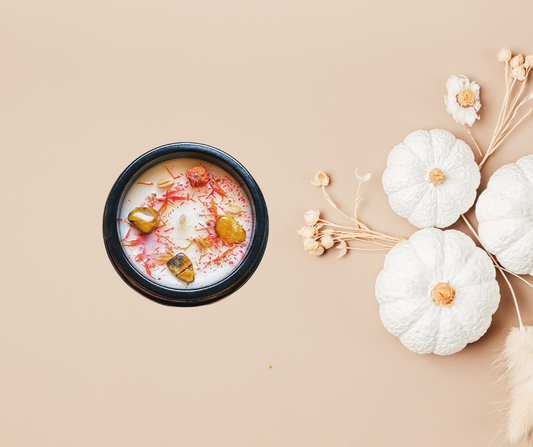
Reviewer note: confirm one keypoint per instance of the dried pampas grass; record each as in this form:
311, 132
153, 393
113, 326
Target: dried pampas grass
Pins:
516, 360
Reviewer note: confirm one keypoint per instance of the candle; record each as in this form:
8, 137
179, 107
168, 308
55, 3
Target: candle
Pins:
188, 216
185, 224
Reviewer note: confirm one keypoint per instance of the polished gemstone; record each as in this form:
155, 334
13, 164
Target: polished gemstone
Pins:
229, 230
145, 219
182, 267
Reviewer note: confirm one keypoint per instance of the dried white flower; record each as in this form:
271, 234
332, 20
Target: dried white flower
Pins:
311, 217
318, 252
363, 178
310, 244
343, 249
519, 73
529, 61
462, 100
327, 241
517, 61
504, 55
306, 232
321, 179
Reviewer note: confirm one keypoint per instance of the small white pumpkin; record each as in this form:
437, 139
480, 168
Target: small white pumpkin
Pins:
431, 178
437, 291
505, 215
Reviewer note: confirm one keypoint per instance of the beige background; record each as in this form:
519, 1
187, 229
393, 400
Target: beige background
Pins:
288, 88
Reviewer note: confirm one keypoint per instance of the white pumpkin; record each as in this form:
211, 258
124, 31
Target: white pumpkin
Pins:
505, 215
437, 291
431, 178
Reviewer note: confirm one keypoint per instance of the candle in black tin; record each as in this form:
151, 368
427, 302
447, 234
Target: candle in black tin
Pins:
185, 224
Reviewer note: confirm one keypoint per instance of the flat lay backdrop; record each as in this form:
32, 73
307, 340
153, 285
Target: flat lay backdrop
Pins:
298, 357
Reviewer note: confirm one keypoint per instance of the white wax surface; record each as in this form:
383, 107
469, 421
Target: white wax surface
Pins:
172, 236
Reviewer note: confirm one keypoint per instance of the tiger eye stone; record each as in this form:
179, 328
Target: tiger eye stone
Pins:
182, 267
145, 219
229, 230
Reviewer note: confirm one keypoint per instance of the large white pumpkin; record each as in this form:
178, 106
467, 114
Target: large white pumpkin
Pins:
505, 215
437, 291
431, 178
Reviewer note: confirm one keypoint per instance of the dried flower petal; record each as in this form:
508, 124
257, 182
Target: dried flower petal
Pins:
327, 241
306, 232
311, 217
321, 179
517, 61
504, 55
363, 178
318, 252
342, 253
310, 244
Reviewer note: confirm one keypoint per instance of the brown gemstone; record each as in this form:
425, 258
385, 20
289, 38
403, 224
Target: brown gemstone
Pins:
182, 267
197, 176
145, 219
229, 230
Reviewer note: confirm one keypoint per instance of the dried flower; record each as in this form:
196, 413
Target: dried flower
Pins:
343, 249
363, 178
519, 73
462, 100
529, 61
327, 241
197, 176
517, 61
306, 232
311, 217
319, 251
310, 244
321, 179
504, 55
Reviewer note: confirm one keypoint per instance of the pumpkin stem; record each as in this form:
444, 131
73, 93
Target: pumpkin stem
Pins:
443, 295
436, 176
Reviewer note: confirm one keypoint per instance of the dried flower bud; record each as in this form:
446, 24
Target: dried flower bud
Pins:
234, 209
363, 178
504, 55
529, 61
321, 179
519, 73
327, 241
311, 217
306, 232
310, 244
318, 252
517, 61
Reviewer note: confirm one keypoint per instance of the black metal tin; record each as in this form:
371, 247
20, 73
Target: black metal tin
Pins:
183, 297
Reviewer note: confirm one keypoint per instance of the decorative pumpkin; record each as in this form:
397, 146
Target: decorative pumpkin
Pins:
431, 178
505, 215
437, 291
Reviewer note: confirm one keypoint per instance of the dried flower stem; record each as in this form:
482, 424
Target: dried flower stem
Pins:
502, 271
472, 136
508, 112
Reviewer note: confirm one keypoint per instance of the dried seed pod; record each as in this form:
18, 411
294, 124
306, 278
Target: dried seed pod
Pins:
306, 232
529, 61
234, 209
504, 55
327, 241
181, 266
145, 219
311, 217
165, 183
517, 61
519, 73
321, 179
197, 176
310, 244
319, 251
229, 230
